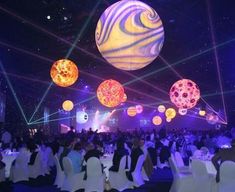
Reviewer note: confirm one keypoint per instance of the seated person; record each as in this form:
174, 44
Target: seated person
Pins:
64, 153
118, 154
227, 154
135, 153
33, 149
76, 157
92, 152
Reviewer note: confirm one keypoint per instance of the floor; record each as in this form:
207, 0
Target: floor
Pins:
159, 182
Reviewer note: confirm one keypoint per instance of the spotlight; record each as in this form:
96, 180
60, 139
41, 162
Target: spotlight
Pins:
65, 18
48, 17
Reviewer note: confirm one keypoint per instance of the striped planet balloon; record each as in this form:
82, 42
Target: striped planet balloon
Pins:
129, 34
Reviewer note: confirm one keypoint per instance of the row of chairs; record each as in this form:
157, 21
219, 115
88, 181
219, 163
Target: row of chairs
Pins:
95, 179
198, 178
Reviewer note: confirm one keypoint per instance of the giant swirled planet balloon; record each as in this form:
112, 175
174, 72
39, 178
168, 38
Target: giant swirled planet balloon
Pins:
184, 94
129, 34
110, 93
64, 73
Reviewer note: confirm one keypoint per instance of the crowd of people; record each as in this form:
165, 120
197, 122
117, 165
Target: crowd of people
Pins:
155, 146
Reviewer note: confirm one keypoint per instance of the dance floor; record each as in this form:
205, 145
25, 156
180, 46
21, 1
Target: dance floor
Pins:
160, 182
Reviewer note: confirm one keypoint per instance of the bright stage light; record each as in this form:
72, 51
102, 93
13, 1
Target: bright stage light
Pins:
67, 105
64, 73
131, 111
161, 108
129, 35
157, 120
139, 108
202, 112
110, 93
182, 111
124, 98
81, 117
184, 94
170, 113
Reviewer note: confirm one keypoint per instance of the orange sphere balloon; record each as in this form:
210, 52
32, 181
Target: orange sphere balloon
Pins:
67, 105
64, 73
110, 93
157, 120
170, 113
131, 111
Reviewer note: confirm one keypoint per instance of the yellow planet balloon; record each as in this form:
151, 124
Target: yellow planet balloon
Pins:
67, 105
170, 113
131, 111
64, 73
129, 34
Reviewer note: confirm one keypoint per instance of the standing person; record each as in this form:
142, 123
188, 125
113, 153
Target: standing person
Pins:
6, 139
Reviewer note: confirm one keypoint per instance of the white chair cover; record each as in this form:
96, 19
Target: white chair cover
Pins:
118, 180
227, 177
202, 180
59, 180
72, 181
51, 159
20, 170
182, 182
137, 173
95, 178
36, 169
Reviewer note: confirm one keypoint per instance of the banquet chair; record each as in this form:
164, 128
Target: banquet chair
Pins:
202, 180
20, 170
2, 174
197, 154
95, 177
137, 173
227, 179
36, 169
59, 180
72, 181
118, 180
180, 163
182, 182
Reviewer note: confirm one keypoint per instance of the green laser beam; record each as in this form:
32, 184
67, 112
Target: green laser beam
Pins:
42, 99
13, 92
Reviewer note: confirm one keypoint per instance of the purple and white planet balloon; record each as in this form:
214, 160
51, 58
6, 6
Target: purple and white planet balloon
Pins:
129, 34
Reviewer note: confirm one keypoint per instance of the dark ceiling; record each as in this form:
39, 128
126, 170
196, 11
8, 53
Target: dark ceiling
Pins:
30, 42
